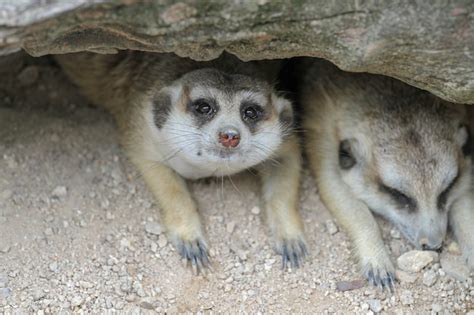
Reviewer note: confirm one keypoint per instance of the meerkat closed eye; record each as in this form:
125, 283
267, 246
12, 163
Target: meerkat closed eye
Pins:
377, 144
182, 119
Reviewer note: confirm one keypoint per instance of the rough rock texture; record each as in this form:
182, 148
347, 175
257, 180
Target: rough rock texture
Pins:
425, 43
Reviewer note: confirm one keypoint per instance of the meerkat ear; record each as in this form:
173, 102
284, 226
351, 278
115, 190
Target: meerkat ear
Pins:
284, 109
347, 153
163, 102
463, 138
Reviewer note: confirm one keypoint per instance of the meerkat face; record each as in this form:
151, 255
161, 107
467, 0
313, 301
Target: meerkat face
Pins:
219, 124
410, 172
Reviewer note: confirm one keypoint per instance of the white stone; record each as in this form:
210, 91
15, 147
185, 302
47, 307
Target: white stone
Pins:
415, 260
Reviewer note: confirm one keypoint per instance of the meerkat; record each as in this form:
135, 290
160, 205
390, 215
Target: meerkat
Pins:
180, 119
377, 145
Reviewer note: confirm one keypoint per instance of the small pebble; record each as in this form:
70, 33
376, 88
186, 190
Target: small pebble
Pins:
375, 305
59, 191
38, 294
230, 227
429, 278
395, 233
415, 260
5, 249
350, 285
437, 308
331, 227
162, 241
76, 301
255, 210
406, 297
53, 266
48, 232
153, 228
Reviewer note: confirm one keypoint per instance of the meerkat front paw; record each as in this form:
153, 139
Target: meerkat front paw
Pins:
379, 271
293, 251
192, 247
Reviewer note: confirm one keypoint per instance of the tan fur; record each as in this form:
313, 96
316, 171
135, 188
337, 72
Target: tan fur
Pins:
122, 84
388, 122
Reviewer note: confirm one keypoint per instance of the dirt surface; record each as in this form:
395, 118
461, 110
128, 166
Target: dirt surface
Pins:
80, 231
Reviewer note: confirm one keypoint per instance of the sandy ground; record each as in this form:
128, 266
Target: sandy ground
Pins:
79, 231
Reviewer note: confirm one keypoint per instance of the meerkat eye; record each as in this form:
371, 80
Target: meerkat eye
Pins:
252, 112
203, 107
399, 197
346, 158
443, 197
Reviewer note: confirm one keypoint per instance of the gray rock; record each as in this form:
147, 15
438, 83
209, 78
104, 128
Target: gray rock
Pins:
422, 43
415, 260
455, 267
375, 305
429, 277
153, 228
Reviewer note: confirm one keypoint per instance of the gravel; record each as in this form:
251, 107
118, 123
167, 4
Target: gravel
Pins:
100, 247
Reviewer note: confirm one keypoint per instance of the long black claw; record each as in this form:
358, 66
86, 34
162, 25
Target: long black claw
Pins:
293, 252
385, 281
195, 253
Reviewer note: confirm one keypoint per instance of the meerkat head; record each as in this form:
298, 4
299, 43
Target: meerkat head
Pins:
220, 122
409, 164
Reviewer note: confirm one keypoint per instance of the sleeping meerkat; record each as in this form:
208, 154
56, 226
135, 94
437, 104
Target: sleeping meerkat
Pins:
181, 119
377, 144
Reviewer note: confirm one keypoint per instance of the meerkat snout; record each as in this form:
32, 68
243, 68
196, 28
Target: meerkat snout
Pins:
229, 137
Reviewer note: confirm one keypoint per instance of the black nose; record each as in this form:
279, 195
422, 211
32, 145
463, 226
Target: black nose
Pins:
229, 137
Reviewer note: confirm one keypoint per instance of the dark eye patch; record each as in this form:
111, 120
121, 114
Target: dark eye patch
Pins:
251, 114
203, 110
400, 198
443, 197
468, 147
346, 158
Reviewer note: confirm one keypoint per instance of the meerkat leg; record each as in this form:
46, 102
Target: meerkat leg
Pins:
280, 181
353, 215
461, 219
179, 212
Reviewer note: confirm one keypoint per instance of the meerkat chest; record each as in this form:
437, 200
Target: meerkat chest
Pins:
190, 170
